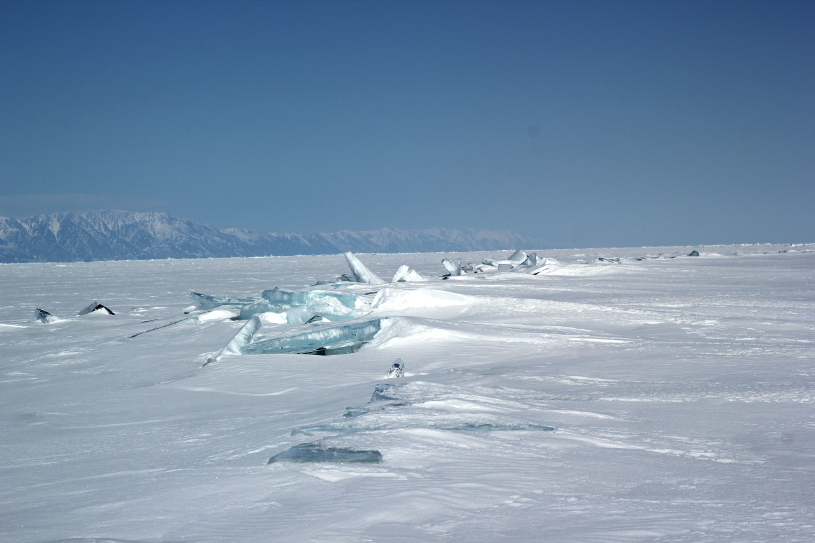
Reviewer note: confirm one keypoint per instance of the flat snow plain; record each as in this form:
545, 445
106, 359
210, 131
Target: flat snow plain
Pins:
681, 393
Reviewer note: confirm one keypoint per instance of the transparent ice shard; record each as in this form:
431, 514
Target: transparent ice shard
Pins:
361, 273
206, 301
335, 306
453, 268
262, 306
406, 273
531, 261
329, 340
381, 393
543, 264
240, 339
302, 306
518, 256
285, 297
355, 411
294, 298
95, 307
314, 452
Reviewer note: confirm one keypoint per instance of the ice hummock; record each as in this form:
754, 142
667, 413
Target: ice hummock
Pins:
314, 452
361, 273
329, 340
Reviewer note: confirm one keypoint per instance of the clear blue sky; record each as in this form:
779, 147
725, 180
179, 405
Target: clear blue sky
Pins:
609, 123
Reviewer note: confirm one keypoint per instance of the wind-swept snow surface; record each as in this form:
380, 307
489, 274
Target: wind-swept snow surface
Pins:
621, 395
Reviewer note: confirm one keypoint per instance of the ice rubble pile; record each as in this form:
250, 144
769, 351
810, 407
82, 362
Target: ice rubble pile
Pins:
324, 308
518, 261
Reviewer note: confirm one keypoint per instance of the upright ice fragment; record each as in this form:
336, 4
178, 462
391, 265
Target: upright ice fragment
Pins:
342, 339
243, 337
453, 268
95, 307
361, 273
44, 316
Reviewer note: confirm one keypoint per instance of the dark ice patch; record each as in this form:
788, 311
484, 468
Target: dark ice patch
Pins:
314, 452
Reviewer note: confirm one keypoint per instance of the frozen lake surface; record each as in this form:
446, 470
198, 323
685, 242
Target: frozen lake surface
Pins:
625, 399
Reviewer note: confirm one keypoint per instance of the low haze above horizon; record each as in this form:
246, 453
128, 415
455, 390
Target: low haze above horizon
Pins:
582, 123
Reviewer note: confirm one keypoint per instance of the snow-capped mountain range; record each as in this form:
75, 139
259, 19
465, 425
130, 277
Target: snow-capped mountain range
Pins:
125, 235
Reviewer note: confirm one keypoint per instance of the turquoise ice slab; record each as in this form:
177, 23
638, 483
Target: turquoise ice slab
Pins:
341, 339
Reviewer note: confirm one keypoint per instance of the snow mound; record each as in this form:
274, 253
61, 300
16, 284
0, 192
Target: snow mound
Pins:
418, 302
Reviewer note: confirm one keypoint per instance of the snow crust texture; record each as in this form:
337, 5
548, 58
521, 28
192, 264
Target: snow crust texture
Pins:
623, 395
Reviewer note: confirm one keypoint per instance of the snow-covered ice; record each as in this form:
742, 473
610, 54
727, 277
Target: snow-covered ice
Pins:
648, 396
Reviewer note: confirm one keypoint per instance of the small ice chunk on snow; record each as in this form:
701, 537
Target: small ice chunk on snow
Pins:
212, 316
405, 274
397, 369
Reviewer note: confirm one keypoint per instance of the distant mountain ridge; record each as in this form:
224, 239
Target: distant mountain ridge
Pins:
125, 235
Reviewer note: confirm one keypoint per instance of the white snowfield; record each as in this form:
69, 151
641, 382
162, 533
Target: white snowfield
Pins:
640, 399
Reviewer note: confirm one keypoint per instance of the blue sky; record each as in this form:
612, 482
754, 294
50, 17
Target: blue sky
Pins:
581, 123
